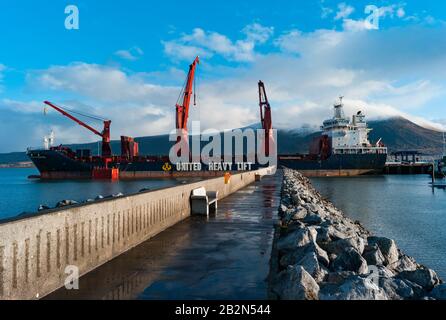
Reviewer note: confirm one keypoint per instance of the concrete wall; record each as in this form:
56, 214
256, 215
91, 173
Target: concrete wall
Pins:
34, 251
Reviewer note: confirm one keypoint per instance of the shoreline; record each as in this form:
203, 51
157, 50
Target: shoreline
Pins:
17, 165
320, 254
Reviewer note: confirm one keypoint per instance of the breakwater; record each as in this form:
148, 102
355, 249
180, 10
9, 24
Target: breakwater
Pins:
36, 250
319, 253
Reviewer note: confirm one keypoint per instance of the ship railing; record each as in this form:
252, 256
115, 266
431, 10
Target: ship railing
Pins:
364, 150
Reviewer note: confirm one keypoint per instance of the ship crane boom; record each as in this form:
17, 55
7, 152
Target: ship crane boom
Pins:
265, 117
182, 110
105, 134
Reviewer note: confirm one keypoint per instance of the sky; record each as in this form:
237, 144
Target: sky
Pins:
128, 61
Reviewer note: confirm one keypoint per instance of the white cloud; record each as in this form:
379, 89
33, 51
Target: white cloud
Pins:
390, 11
209, 43
397, 71
344, 11
357, 25
131, 54
106, 84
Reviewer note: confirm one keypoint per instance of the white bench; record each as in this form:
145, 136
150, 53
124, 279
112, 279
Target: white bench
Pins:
201, 201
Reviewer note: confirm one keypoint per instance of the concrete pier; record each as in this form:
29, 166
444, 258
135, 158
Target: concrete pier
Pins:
36, 250
224, 257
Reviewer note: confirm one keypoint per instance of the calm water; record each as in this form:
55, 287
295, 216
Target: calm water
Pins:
19, 194
403, 208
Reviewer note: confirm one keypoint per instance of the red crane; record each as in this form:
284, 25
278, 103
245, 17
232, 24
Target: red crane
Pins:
105, 134
265, 117
182, 110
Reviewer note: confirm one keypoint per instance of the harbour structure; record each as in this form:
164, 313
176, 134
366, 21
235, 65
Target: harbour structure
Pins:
342, 149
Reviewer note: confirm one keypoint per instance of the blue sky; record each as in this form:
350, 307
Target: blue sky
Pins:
128, 60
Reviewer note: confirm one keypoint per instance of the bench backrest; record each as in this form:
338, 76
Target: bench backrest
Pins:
199, 192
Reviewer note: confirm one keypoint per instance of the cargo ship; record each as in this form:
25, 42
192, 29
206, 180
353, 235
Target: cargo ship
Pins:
342, 149
61, 162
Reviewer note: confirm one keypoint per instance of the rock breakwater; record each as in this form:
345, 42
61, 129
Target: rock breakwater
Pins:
320, 254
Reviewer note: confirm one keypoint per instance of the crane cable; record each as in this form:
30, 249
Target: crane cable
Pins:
78, 113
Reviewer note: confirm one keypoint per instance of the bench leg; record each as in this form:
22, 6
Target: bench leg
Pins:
213, 207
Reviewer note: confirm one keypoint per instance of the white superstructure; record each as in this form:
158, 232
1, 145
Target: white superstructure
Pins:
349, 136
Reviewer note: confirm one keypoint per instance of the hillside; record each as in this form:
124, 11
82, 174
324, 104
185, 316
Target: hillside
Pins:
401, 134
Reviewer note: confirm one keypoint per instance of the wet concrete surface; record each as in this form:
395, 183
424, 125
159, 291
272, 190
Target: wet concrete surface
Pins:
223, 257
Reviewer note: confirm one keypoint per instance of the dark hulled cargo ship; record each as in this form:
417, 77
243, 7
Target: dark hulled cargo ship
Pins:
343, 149
63, 163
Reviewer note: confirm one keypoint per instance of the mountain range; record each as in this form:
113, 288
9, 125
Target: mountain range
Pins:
397, 134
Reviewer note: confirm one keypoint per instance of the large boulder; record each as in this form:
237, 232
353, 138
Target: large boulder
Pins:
404, 263
294, 256
424, 277
388, 248
311, 264
312, 219
296, 239
299, 214
372, 254
396, 289
295, 283
350, 260
339, 246
339, 277
353, 288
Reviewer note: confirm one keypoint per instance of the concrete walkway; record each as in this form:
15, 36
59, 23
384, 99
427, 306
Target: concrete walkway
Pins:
223, 257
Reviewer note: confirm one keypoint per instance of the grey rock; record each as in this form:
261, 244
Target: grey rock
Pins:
404, 263
299, 214
312, 207
350, 260
353, 288
310, 263
339, 246
295, 283
439, 292
312, 219
294, 256
296, 199
388, 248
396, 289
283, 209
295, 225
372, 254
99, 197
43, 207
339, 277
65, 203
424, 277
295, 239
330, 232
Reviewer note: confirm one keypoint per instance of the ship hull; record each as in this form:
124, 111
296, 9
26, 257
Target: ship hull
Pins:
336, 165
56, 165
